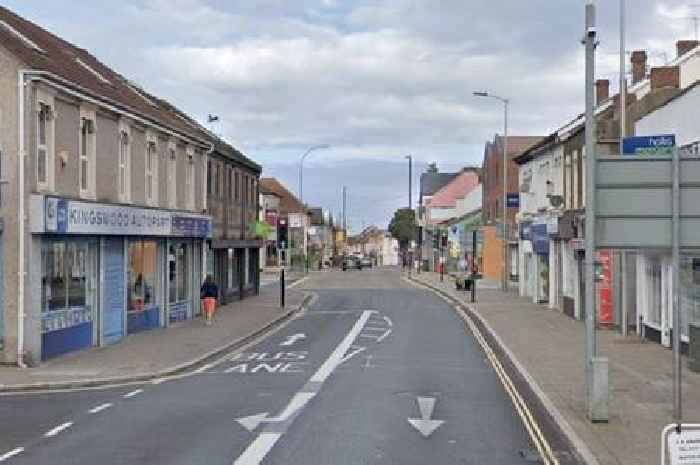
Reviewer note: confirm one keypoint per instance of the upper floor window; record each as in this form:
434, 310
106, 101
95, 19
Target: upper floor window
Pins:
124, 163
189, 180
172, 177
151, 171
230, 184
44, 145
209, 175
236, 190
86, 171
217, 181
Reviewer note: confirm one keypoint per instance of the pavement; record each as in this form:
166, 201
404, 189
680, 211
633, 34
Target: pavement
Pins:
375, 372
549, 346
159, 352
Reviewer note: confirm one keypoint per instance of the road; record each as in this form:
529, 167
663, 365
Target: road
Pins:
376, 372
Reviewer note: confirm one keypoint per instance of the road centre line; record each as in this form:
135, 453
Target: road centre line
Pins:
55, 431
99, 408
11, 454
133, 393
265, 441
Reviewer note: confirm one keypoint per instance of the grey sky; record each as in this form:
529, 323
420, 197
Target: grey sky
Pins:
375, 79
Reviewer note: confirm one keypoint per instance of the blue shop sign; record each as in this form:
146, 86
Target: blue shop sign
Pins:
513, 200
525, 230
64, 216
661, 144
540, 238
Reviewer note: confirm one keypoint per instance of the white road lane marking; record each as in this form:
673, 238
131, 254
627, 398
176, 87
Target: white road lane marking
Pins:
255, 453
297, 403
99, 408
258, 449
133, 393
203, 368
11, 454
425, 425
388, 321
53, 432
293, 338
383, 336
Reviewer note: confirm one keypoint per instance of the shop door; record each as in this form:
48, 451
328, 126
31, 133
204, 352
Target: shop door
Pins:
113, 290
2, 296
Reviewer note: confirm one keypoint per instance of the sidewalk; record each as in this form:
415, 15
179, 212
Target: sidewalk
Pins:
550, 346
158, 352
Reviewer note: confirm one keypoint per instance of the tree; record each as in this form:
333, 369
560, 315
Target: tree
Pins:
432, 168
403, 226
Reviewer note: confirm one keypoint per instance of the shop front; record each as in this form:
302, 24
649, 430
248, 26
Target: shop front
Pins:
540, 259
112, 270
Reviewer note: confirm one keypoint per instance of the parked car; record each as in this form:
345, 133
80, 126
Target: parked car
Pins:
351, 262
366, 262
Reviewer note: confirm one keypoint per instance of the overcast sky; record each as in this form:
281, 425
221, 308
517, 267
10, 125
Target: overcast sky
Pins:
375, 79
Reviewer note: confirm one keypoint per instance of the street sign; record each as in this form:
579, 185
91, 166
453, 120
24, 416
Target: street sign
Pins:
634, 202
513, 200
649, 145
680, 444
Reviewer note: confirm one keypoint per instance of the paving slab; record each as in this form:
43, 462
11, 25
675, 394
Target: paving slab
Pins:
160, 351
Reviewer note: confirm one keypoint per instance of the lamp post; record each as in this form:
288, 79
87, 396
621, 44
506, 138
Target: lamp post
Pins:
410, 206
301, 168
505, 102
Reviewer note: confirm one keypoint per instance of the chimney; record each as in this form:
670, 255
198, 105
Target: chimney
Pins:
684, 46
665, 76
602, 90
639, 65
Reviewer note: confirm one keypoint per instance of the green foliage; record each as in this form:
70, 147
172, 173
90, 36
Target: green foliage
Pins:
403, 226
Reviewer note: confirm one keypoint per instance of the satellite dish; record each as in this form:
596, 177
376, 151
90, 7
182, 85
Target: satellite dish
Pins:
556, 200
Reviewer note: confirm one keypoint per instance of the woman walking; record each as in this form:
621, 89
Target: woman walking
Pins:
209, 294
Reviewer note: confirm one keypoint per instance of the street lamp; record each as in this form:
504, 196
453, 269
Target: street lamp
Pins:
301, 167
505, 102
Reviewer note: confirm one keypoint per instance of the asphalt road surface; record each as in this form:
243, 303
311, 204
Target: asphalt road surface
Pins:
376, 372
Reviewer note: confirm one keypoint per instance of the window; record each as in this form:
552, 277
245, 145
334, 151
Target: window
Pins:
87, 148
172, 177
44, 146
217, 180
189, 181
230, 184
63, 282
151, 173
143, 282
204, 172
237, 191
209, 180
124, 163
177, 273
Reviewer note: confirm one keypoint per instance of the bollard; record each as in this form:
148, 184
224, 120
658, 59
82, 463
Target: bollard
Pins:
282, 289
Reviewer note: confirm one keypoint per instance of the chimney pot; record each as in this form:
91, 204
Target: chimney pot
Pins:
639, 65
665, 76
684, 46
602, 90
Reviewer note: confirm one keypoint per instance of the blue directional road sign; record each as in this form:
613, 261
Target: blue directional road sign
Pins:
661, 144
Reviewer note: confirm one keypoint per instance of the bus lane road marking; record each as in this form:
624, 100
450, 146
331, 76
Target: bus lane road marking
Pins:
277, 426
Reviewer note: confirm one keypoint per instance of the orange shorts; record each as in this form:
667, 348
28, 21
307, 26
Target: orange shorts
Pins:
209, 305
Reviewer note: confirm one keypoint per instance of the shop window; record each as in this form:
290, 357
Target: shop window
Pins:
63, 275
143, 280
177, 273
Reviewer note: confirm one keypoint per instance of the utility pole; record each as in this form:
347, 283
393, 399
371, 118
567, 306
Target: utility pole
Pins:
345, 221
596, 368
623, 133
410, 206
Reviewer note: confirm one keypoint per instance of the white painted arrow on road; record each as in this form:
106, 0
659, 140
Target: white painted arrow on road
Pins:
298, 402
293, 338
425, 425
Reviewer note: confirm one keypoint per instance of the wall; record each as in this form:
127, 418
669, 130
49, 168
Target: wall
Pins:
67, 126
676, 117
492, 254
107, 166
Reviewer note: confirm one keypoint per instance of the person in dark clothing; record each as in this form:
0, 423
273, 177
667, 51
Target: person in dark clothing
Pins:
209, 293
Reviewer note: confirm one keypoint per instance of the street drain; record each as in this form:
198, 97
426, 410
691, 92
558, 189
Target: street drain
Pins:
530, 455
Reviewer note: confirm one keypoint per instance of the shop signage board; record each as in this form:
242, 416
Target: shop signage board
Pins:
661, 144
64, 216
680, 444
296, 220
540, 239
634, 197
513, 200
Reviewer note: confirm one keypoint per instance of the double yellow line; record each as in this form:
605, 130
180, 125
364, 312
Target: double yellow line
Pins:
533, 429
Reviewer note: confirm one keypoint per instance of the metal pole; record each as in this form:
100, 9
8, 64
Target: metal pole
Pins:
473, 266
505, 195
675, 281
442, 259
623, 132
596, 393
282, 288
410, 207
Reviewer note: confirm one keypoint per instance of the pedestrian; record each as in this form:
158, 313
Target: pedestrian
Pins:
209, 294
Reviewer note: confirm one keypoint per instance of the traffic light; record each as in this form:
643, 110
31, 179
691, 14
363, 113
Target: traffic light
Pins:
282, 240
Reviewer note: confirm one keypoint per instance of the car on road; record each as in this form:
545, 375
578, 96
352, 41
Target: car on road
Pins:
352, 262
366, 262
